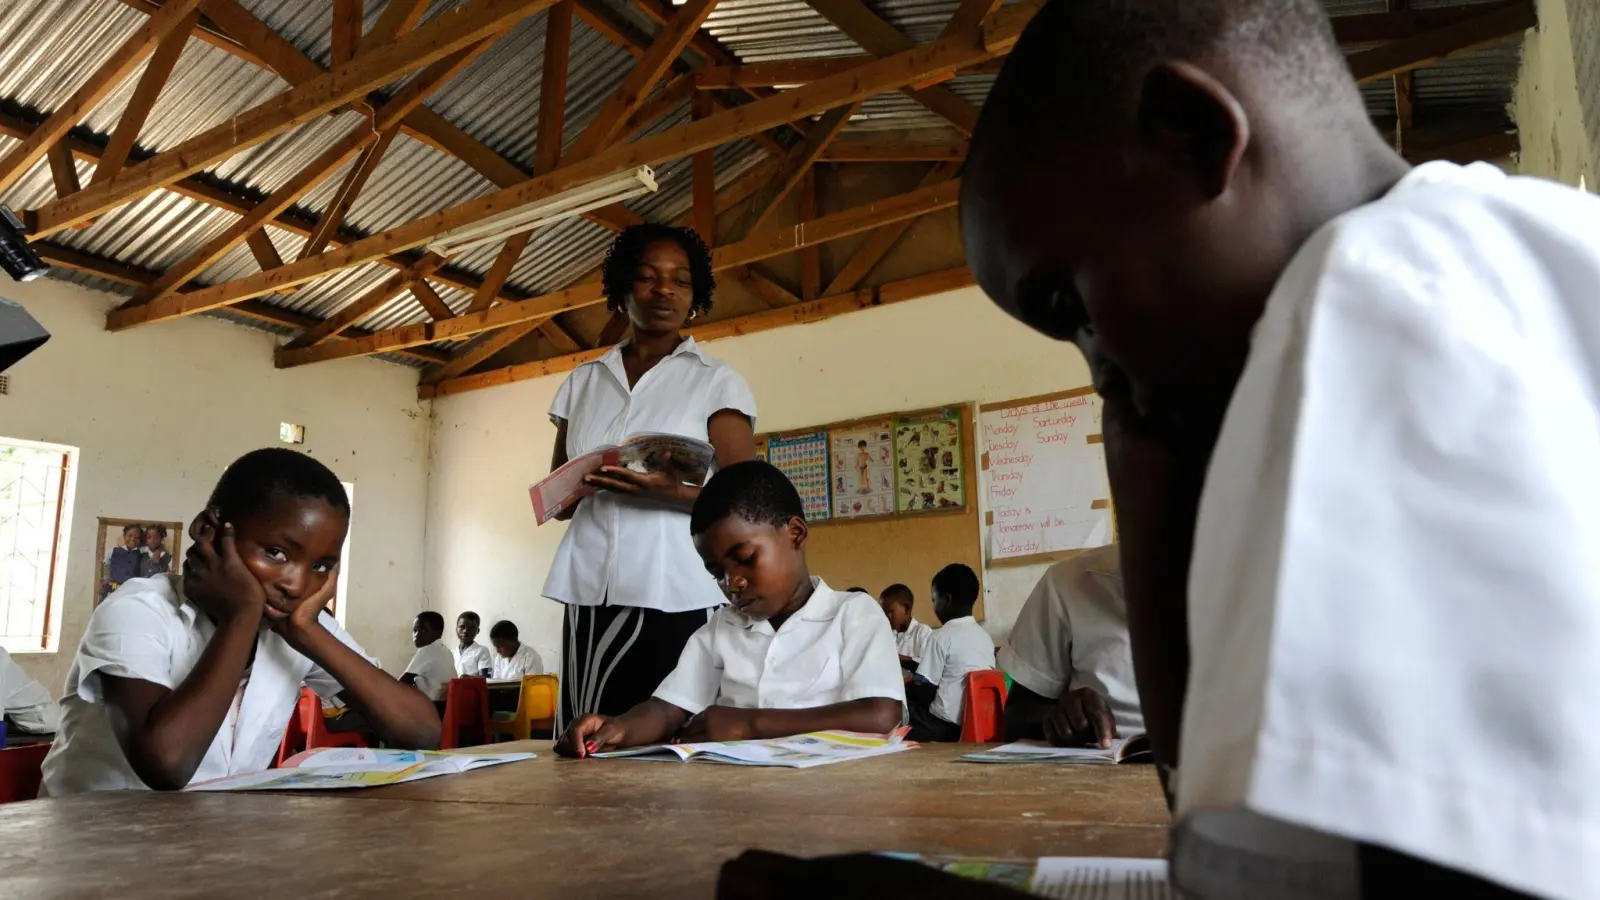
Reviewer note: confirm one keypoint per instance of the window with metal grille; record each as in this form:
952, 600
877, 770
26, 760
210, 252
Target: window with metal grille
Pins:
35, 482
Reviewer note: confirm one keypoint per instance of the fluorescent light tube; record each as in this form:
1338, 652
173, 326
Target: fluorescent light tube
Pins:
565, 205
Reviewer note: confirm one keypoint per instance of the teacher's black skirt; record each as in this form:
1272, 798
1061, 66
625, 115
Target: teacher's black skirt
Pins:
616, 656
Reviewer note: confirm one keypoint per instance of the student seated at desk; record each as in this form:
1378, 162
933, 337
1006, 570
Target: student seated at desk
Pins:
194, 677
25, 703
1069, 657
958, 647
789, 656
471, 657
432, 666
911, 637
512, 658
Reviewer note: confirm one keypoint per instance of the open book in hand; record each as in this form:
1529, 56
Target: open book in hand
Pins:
331, 768
1074, 877
690, 458
802, 751
1135, 749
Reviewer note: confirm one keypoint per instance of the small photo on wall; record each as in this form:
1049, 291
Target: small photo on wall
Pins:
134, 548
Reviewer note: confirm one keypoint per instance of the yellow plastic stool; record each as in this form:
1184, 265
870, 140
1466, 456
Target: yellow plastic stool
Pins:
536, 708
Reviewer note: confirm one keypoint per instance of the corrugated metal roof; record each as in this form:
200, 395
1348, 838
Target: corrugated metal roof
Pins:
49, 47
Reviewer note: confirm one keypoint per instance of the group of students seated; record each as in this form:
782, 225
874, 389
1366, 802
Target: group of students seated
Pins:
187, 677
434, 664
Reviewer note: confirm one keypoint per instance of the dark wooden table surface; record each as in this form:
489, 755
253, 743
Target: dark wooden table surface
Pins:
567, 828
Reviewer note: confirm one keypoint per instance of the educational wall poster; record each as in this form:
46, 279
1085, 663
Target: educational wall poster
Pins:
761, 448
928, 465
863, 469
804, 458
1044, 478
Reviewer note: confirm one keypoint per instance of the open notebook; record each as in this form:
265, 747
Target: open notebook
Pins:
1135, 749
1065, 877
802, 751
332, 768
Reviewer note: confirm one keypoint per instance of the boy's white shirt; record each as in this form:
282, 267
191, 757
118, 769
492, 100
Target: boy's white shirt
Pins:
959, 647
473, 660
836, 648
913, 642
1073, 632
434, 667
146, 630
25, 701
525, 661
1394, 596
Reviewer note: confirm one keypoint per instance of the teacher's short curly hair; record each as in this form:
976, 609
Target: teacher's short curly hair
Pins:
622, 263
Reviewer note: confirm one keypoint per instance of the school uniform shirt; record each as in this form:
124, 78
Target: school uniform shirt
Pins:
146, 630
1394, 602
623, 551
434, 667
24, 702
525, 661
473, 660
836, 648
1073, 632
959, 646
913, 642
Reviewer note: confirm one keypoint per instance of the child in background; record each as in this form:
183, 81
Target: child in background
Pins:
958, 647
191, 678
1069, 657
512, 658
789, 656
24, 703
123, 564
155, 559
910, 636
472, 658
431, 667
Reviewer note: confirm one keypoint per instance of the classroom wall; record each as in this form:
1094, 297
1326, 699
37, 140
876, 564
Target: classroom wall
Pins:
159, 411
486, 554
1556, 141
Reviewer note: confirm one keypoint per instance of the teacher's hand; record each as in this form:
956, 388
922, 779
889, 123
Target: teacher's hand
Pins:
664, 485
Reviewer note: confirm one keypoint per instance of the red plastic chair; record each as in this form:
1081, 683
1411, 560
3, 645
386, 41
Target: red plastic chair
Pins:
983, 712
466, 713
311, 729
20, 772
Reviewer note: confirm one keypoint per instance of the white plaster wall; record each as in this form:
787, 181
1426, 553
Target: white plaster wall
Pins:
159, 411
1546, 106
486, 554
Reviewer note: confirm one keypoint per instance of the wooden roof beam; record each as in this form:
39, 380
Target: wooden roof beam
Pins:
154, 78
1000, 32
796, 164
169, 18
880, 242
754, 249
456, 30
799, 314
349, 17
845, 150
1490, 25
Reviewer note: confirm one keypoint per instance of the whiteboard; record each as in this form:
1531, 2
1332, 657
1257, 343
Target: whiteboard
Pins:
1044, 489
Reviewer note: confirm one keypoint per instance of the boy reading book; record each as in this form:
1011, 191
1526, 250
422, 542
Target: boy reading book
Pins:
183, 679
789, 656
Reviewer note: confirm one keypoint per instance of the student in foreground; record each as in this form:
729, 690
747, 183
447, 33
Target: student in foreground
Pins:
512, 658
189, 678
1350, 422
788, 656
959, 646
1069, 657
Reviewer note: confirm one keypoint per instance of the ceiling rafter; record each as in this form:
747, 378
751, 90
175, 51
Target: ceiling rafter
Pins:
999, 35
880, 242
796, 164
156, 72
1491, 26
123, 60
455, 30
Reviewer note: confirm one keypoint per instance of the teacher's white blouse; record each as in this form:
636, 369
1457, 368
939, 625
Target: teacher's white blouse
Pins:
617, 549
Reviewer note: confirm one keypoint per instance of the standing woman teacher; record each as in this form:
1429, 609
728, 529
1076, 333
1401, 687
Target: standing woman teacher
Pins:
634, 588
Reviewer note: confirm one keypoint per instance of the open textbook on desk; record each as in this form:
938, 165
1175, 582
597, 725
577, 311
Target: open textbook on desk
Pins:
1064, 877
332, 768
641, 453
802, 751
1135, 749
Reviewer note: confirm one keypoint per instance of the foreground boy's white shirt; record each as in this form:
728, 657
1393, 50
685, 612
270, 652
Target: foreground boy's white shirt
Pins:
1395, 595
146, 630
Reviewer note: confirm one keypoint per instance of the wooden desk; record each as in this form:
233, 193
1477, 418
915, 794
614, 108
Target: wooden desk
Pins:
566, 828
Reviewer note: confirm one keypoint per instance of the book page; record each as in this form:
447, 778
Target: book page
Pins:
1102, 878
1039, 751
691, 458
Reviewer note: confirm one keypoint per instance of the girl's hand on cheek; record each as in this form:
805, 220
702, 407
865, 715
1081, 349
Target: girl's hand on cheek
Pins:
215, 578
